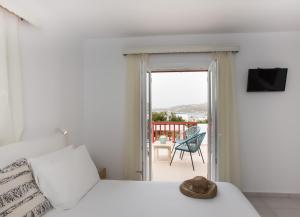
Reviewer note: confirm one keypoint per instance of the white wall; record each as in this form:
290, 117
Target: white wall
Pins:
53, 89
270, 142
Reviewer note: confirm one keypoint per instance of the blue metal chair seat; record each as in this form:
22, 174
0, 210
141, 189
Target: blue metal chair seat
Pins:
188, 148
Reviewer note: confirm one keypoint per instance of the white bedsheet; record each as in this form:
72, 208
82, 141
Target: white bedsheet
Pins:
156, 199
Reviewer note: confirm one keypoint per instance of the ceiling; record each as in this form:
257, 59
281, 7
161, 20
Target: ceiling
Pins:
116, 18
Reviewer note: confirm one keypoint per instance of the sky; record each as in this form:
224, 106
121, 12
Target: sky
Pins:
178, 88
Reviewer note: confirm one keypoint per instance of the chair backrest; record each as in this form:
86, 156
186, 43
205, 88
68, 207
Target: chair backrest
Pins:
191, 131
197, 140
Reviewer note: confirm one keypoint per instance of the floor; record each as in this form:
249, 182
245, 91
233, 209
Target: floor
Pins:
276, 206
180, 170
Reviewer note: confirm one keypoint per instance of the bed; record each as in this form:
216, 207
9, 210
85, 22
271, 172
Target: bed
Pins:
112, 198
156, 199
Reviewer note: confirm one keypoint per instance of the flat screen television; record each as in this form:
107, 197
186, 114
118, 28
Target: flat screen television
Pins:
266, 79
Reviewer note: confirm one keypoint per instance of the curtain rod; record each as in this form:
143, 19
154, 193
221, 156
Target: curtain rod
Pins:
13, 13
183, 49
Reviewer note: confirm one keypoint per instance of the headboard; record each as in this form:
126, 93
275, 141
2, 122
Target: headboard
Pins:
32, 148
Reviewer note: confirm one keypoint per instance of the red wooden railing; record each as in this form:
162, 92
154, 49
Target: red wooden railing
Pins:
172, 130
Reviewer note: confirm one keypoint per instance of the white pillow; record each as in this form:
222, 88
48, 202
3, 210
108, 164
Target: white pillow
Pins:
38, 164
19, 195
67, 179
31, 148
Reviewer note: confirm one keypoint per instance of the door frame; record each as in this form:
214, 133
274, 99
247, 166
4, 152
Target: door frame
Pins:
146, 124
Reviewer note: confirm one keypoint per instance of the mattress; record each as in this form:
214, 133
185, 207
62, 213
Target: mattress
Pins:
156, 199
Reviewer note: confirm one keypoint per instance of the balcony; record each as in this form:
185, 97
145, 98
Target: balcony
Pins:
180, 169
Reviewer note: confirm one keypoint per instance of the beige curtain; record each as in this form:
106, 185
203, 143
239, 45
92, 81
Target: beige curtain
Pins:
133, 129
11, 101
228, 139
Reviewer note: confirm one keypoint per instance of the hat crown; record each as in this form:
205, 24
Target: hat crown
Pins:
200, 184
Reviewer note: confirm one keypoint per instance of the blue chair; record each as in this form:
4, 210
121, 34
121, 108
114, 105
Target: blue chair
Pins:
195, 130
190, 145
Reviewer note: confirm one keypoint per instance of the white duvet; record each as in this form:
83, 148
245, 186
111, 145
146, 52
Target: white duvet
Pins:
156, 199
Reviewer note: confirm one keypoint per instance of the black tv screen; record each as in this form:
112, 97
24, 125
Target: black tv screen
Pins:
266, 79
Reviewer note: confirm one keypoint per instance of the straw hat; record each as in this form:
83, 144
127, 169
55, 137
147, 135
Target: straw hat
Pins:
199, 187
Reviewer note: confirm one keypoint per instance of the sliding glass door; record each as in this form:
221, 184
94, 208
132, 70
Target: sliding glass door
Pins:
146, 125
147, 131
148, 156
212, 121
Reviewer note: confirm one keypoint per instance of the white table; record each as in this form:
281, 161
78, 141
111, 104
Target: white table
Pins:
157, 145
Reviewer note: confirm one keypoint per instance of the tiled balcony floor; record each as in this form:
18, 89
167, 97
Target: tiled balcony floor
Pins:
180, 170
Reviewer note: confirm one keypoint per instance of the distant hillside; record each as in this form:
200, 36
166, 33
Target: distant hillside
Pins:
193, 108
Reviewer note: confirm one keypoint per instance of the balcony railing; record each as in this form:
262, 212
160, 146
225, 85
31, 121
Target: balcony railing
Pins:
172, 130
